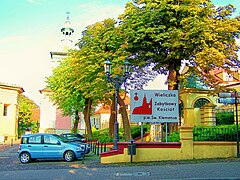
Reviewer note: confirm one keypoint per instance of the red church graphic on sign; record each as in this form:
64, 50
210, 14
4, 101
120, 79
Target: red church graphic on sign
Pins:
146, 108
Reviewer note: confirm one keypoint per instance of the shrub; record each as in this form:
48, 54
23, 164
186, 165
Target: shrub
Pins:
136, 130
224, 118
216, 133
103, 135
174, 137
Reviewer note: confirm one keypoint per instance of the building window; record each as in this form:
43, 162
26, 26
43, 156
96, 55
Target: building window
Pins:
5, 110
201, 102
230, 77
227, 77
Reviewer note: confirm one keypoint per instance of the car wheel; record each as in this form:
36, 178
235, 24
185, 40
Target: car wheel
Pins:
24, 157
69, 156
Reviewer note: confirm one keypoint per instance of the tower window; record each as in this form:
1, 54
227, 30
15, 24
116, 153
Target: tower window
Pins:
5, 110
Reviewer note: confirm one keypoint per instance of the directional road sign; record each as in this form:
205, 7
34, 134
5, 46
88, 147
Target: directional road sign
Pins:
228, 95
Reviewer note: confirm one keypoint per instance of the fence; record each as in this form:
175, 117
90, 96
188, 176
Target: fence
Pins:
98, 147
215, 134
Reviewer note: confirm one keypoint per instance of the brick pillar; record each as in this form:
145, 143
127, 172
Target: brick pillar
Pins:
188, 116
208, 113
186, 139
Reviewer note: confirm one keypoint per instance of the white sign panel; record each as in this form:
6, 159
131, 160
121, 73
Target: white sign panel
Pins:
154, 106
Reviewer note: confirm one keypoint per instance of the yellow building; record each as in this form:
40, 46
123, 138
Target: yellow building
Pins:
9, 95
198, 102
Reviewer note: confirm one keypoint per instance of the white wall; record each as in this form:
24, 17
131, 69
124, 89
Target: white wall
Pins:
47, 113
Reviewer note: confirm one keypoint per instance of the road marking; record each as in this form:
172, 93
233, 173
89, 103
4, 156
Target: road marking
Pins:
132, 174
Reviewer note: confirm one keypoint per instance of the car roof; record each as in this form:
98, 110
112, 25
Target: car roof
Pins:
28, 135
71, 134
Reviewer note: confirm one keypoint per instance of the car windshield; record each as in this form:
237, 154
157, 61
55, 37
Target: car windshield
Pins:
63, 139
74, 137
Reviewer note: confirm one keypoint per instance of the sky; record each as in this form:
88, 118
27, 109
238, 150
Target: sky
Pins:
30, 30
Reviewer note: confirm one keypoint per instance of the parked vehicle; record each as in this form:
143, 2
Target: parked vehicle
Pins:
48, 146
73, 137
77, 138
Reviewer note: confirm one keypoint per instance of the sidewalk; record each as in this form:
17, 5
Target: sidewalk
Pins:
7, 146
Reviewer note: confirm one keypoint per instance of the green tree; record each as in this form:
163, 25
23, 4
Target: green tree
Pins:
167, 33
64, 94
100, 41
25, 120
79, 81
106, 40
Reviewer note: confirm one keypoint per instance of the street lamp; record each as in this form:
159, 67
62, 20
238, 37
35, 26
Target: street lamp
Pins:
116, 82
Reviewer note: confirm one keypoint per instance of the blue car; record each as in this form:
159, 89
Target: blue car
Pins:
77, 138
48, 146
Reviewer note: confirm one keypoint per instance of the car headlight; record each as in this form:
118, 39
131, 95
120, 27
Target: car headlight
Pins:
79, 148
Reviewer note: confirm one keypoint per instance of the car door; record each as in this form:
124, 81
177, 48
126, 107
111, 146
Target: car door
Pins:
51, 148
35, 146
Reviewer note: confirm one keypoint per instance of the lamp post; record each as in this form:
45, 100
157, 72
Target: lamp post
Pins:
116, 82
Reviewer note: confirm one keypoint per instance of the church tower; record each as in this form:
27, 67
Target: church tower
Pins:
51, 118
66, 42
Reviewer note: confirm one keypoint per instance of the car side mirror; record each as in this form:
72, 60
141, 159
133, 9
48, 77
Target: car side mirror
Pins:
58, 143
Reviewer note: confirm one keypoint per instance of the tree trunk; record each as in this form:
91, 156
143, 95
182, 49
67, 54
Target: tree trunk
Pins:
173, 77
126, 124
75, 123
86, 113
111, 119
173, 85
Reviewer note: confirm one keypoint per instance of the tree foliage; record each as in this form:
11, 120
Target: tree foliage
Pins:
25, 120
166, 33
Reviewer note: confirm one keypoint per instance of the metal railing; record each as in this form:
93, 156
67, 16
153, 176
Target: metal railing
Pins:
98, 147
215, 133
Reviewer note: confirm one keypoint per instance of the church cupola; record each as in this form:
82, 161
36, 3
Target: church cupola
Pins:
67, 31
66, 43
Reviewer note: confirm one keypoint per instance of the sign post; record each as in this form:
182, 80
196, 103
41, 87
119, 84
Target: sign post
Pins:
236, 107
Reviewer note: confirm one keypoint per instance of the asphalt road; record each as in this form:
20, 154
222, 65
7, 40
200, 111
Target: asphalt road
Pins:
11, 168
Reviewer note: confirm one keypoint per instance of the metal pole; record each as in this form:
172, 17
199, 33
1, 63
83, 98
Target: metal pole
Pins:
236, 107
97, 148
104, 146
142, 131
116, 135
166, 132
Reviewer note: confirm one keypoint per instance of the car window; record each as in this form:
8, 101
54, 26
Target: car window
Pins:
80, 136
50, 140
34, 139
70, 136
63, 139
24, 140
74, 136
